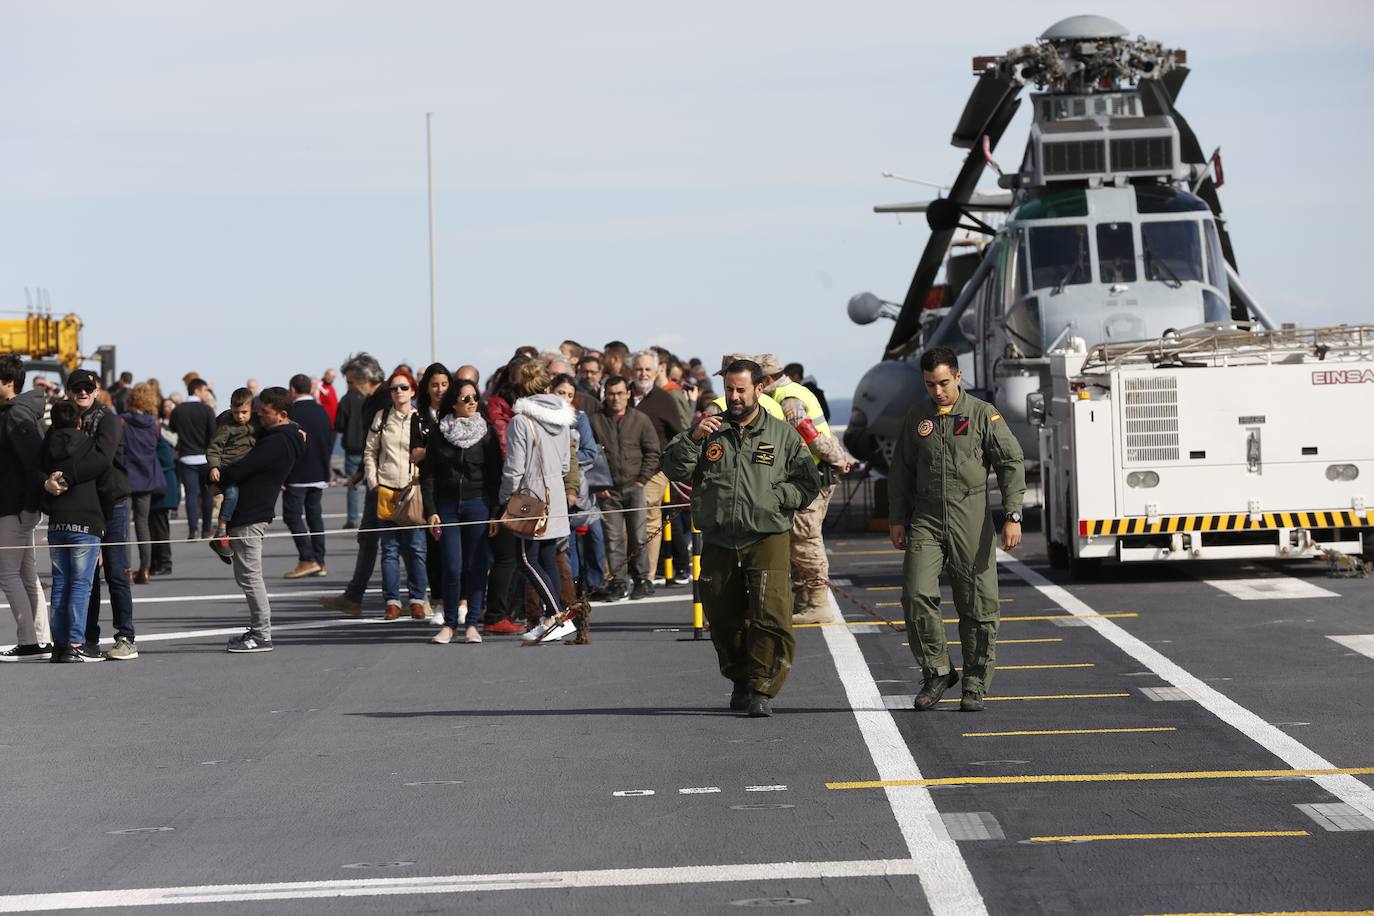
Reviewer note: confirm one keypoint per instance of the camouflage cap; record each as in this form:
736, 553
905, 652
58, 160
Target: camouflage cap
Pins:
729, 358
769, 364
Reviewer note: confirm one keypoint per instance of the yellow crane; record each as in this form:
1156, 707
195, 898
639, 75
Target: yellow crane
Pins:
40, 336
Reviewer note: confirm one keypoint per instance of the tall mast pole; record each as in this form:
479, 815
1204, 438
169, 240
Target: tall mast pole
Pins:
433, 306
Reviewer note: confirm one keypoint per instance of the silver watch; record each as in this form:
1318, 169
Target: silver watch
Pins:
1014, 517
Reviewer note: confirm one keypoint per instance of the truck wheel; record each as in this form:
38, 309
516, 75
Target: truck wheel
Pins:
1058, 553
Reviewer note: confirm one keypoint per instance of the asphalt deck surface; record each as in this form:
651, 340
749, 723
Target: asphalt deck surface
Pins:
414, 778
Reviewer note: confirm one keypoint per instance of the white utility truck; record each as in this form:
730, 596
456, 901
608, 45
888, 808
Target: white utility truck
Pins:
1214, 442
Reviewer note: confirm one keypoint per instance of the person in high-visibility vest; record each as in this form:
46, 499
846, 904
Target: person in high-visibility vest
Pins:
810, 565
769, 405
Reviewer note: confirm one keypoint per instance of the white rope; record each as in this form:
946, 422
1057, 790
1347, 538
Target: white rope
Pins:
334, 533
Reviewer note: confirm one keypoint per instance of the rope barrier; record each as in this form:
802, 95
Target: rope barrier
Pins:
329, 533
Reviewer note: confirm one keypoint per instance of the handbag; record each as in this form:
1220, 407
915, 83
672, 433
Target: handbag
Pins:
525, 514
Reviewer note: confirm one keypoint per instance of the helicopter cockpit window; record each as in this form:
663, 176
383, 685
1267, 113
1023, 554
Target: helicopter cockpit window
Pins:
1115, 253
1054, 205
1172, 251
1059, 256
1154, 198
1216, 270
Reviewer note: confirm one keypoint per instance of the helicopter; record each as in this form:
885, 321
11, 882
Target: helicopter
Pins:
1110, 230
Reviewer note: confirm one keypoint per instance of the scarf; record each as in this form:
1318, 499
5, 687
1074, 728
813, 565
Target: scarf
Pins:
463, 432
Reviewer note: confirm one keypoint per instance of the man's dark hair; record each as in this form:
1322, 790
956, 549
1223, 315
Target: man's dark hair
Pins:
939, 356
582, 364
614, 380
276, 397
195, 385
64, 415
746, 365
794, 371
527, 351
13, 370
240, 397
616, 346
126, 377
300, 383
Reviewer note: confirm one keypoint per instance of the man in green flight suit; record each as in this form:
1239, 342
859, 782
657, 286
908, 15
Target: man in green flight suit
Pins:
750, 473
939, 515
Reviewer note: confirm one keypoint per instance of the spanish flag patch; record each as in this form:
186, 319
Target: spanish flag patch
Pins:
994, 418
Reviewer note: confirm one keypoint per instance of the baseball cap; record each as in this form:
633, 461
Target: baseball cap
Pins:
82, 378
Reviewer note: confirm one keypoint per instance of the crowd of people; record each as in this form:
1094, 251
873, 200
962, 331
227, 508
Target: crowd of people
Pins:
502, 504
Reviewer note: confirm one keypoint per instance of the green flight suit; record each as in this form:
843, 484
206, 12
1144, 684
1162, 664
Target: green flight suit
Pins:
747, 483
937, 486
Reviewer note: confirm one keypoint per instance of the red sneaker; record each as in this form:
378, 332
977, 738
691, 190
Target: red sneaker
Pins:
504, 627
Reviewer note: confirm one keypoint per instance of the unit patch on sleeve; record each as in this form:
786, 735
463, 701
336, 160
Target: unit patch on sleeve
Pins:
925, 427
961, 426
714, 452
994, 418
765, 453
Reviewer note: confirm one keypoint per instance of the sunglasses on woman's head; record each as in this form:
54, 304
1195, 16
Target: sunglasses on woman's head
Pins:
400, 387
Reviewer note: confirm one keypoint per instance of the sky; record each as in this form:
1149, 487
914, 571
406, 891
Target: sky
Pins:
239, 189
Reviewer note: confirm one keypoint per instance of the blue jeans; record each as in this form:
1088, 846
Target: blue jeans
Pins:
300, 508
229, 502
200, 502
467, 558
409, 543
353, 461
593, 572
116, 565
73, 569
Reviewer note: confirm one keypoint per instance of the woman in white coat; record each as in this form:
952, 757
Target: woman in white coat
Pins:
537, 455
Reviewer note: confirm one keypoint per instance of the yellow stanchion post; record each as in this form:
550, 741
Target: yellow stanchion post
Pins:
667, 541
698, 615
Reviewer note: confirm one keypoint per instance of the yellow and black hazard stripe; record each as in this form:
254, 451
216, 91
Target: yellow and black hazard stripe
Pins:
1241, 521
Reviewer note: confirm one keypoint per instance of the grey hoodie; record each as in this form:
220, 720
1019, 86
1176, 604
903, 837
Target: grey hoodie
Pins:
539, 429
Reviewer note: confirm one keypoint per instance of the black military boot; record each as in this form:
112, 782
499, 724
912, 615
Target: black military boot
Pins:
972, 701
759, 706
739, 697
933, 689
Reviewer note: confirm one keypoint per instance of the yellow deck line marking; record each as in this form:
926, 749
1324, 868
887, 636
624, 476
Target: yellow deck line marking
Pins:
1283, 913
1041, 667
1216, 835
1052, 696
1072, 731
898, 623
1006, 642
1097, 777
899, 604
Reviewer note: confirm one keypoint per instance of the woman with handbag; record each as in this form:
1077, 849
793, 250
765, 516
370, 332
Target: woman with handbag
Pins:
388, 469
535, 508
459, 478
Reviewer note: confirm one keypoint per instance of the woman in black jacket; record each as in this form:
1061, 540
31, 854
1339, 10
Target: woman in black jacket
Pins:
433, 384
459, 478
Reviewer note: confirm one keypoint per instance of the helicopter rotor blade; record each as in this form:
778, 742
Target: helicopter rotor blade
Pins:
993, 110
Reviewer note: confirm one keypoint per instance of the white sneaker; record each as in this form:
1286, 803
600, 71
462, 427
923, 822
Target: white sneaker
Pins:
537, 633
562, 631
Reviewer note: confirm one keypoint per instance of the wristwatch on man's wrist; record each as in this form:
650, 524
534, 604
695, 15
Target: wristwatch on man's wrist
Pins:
1014, 517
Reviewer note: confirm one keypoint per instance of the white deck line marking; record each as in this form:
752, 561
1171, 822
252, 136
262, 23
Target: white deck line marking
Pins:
458, 884
1270, 588
1282, 745
1361, 644
948, 885
686, 596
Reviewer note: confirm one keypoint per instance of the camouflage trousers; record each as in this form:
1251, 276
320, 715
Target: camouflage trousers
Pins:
810, 565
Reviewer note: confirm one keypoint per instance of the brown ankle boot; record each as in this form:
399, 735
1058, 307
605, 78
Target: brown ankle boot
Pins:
141, 577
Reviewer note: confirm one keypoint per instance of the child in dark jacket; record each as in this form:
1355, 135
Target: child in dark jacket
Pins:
76, 523
235, 434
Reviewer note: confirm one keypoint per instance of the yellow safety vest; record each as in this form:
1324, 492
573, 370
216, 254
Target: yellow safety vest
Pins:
769, 405
813, 407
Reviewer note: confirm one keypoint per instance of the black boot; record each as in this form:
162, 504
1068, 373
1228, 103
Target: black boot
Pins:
933, 689
759, 706
739, 697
